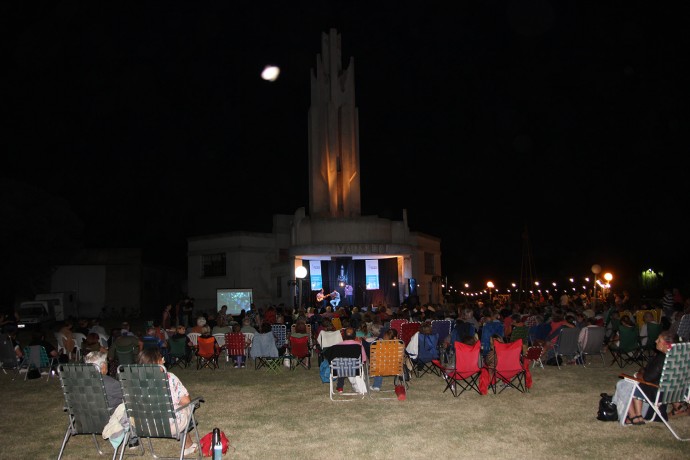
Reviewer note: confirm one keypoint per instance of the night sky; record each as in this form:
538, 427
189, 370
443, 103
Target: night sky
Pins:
150, 122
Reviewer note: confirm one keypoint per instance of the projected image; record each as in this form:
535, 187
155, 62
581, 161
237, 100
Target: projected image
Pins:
236, 300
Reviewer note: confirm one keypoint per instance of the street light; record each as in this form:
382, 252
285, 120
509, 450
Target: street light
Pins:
490, 285
300, 274
596, 269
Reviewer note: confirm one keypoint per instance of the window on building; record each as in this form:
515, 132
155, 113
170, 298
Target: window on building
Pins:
283, 255
213, 265
429, 268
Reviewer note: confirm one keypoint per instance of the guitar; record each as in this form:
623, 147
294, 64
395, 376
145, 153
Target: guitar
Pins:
320, 297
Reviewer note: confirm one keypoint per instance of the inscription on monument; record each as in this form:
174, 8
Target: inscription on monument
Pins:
361, 248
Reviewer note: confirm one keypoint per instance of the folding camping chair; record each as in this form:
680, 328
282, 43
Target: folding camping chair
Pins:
593, 343
566, 345
408, 329
674, 385
427, 352
35, 357
8, 357
178, 353
345, 367
534, 355
509, 368
466, 371
280, 334
629, 350
386, 360
86, 402
397, 325
220, 339
207, 353
149, 405
684, 328
236, 347
442, 328
264, 352
300, 352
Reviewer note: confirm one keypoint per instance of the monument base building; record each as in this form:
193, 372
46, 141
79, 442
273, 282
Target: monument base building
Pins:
367, 260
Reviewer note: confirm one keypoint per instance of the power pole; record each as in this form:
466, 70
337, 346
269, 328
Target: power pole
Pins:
527, 270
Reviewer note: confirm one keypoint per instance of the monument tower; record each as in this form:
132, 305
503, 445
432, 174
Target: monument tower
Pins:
334, 174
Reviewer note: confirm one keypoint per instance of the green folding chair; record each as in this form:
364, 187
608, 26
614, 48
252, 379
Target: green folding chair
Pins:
86, 402
629, 350
150, 408
674, 385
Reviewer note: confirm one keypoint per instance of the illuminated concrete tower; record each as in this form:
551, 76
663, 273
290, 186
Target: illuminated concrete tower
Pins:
334, 174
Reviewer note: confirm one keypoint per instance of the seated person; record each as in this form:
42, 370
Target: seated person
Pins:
239, 359
648, 318
651, 373
113, 390
247, 326
200, 322
180, 395
350, 347
92, 343
39, 338
335, 298
390, 334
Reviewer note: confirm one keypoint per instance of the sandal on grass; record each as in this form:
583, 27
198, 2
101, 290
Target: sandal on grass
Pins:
640, 422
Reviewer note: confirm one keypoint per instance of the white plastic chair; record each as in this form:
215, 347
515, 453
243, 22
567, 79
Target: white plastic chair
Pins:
78, 342
194, 338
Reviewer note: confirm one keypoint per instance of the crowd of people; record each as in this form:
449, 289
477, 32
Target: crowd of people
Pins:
484, 320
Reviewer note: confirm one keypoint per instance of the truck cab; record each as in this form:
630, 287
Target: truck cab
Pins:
35, 313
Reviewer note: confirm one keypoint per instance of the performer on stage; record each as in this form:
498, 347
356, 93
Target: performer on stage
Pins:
335, 298
321, 298
348, 295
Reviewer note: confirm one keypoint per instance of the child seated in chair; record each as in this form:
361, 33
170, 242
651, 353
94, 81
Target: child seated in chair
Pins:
239, 359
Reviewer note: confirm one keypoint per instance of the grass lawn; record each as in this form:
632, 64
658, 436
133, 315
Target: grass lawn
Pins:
289, 415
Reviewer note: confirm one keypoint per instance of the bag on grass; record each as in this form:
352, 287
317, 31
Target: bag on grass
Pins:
33, 373
206, 444
325, 371
608, 412
400, 392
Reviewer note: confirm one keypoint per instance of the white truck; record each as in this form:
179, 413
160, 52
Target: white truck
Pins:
48, 307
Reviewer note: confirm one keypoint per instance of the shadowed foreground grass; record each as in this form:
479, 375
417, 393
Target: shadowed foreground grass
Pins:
290, 415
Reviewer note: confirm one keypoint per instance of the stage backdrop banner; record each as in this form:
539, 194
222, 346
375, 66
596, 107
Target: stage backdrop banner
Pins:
315, 275
372, 273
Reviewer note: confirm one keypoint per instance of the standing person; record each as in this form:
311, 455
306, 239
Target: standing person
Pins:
180, 396
166, 320
349, 290
187, 311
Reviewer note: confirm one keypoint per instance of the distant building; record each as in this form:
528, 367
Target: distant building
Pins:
334, 242
116, 283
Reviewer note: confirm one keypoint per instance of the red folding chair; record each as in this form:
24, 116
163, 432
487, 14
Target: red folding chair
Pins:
236, 347
408, 329
509, 368
300, 353
396, 324
466, 372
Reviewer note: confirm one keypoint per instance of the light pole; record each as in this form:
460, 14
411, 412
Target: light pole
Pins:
490, 285
596, 269
300, 274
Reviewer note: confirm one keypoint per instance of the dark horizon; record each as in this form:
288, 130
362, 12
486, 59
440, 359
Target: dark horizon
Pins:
152, 124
